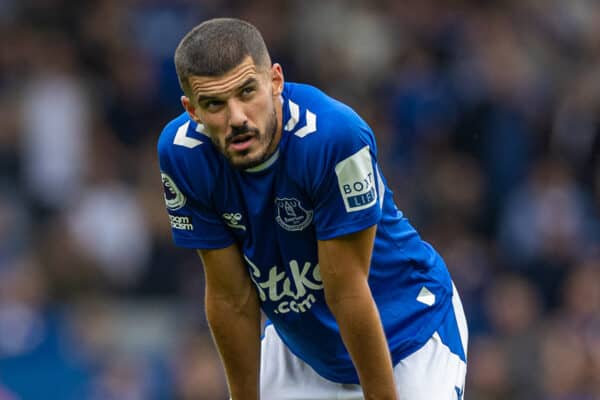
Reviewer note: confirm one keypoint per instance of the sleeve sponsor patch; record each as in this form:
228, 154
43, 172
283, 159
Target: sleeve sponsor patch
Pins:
356, 181
181, 222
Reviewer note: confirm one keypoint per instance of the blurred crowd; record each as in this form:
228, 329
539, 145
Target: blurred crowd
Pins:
487, 116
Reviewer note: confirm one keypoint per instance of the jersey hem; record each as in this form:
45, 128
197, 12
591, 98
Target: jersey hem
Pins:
406, 349
424, 334
195, 244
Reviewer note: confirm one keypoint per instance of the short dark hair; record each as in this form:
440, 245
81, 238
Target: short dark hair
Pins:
216, 46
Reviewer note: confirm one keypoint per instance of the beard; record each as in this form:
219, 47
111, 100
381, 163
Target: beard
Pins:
259, 152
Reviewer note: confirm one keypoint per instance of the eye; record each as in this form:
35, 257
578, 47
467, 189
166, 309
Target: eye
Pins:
247, 91
212, 105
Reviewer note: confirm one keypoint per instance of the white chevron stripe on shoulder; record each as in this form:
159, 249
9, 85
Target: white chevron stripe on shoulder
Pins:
181, 138
310, 127
294, 116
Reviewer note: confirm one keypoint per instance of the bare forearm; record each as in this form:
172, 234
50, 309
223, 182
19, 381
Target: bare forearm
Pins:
344, 267
365, 340
236, 332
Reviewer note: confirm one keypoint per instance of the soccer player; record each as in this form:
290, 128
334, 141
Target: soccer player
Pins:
278, 188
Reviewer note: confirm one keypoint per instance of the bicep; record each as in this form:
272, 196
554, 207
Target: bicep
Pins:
344, 186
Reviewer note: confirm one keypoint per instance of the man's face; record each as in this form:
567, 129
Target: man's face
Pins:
240, 111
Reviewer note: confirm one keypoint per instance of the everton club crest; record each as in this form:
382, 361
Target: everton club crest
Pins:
291, 215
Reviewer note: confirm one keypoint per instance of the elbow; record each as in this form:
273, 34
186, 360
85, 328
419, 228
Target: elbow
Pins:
219, 305
345, 294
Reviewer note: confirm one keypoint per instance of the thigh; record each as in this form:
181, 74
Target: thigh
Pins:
432, 372
283, 376
438, 369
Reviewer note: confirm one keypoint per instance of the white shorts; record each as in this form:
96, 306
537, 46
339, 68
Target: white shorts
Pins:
432, 372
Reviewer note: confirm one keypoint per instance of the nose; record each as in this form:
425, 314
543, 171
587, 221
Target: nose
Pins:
237, 114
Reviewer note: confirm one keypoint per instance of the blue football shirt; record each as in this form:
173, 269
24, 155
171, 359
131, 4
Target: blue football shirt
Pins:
323, 182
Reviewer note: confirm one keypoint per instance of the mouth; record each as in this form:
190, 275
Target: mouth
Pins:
241, 142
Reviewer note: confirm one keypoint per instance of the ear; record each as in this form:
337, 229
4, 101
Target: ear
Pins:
277, 79
189, 107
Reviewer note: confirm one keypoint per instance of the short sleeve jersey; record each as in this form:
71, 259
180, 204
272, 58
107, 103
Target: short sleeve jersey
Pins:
323, 182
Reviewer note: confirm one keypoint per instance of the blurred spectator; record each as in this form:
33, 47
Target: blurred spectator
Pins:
199, 375
514, 308
564, 370
109, 226
33, 362
546, 226
55, 112
442, 199
362, 56
576, 130
491, 379
15, 225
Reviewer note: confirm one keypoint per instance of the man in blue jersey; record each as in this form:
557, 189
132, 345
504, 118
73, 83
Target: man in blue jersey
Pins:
278, 188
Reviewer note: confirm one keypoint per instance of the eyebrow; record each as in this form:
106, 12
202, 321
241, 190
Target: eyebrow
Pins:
204, 97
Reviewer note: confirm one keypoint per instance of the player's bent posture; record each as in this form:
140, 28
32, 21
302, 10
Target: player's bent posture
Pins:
278, 187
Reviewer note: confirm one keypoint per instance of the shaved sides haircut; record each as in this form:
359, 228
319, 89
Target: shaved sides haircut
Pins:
217, 46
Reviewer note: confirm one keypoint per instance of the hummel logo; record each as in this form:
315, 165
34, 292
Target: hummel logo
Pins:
233, 220
459, 393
